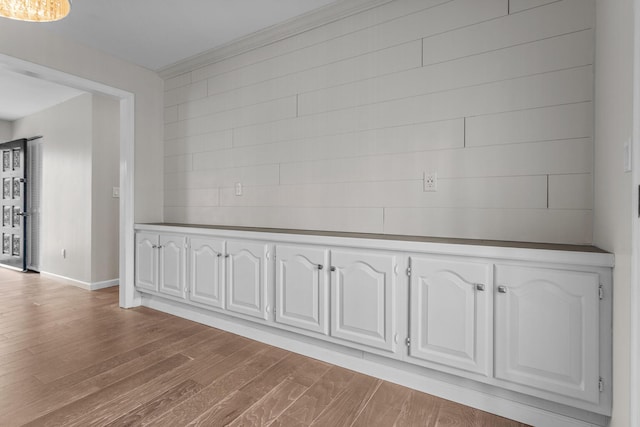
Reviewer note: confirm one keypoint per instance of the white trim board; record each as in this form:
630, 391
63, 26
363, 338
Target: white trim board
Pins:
80, 284
289, 28
634, 391
359, 362
128, 295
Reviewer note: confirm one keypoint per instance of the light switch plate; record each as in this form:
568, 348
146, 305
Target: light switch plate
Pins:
627, 156
115, 192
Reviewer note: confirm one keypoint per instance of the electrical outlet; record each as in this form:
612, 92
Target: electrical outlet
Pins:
430, 181
238, 189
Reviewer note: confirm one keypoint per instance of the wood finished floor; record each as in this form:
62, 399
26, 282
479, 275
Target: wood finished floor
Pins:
70, 357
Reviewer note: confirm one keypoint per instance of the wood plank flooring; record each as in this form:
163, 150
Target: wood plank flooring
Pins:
70, 357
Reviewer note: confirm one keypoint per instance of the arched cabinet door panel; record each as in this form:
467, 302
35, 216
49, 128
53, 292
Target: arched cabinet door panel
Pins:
450, 313
172, 265
302, 287
146, 276
206, 271
363, 298
246, 270
547, 330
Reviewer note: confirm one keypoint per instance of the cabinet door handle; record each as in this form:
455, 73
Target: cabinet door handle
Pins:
479, 286
154, 246
219, 255
332, 268
502, 289
226, 255
320, 266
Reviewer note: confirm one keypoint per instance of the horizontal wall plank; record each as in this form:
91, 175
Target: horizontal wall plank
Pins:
177, 81
558, 18
540, 158
256, 175
271, 111
186, 93
538, 124
199, 143
510, 192
397, 58
339, 28
455, 14
571, 191
528, 225
178, 163
568, 51
401, 139
516, 6
560, 87
171, 114
197, 197
365, 220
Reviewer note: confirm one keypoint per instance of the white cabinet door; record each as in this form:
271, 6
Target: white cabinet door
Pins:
363, 298
206, 273
247, 278
450, 313
302, 287
172, 265
147, 261
547, 330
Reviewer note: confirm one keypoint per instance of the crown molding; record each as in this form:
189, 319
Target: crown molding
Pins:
294, 26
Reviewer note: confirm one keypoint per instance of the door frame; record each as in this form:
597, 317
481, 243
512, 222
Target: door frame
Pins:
128, 296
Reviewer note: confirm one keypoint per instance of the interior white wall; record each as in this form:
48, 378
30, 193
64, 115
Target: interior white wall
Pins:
5, 130
334, 128
613, 192
67, 132
32, 43
80, 159
105, 175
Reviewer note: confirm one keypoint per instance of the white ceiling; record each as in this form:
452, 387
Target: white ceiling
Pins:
158, 33
151, 33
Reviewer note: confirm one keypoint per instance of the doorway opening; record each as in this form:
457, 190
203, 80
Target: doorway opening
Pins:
128, 296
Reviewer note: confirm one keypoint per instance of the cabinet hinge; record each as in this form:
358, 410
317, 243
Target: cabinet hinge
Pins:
409, 271
408, 342
601, 384
601, 292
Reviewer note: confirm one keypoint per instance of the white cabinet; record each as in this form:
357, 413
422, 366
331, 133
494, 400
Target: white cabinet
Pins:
363, 298
527, 324
547, 331
247, 274
160, 263
450, 314
146, 276
302, 287
206, 271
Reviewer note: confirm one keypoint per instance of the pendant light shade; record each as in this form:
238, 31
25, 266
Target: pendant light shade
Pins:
35, 10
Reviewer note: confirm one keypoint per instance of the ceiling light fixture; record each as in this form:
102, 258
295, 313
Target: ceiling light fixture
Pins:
35, 10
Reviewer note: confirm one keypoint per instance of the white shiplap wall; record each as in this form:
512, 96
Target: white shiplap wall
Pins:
333, 129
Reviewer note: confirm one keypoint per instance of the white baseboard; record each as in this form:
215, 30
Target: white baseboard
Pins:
104, 284
80, 284
359, 362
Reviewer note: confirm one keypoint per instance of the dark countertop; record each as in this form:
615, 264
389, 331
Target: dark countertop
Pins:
407, 238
